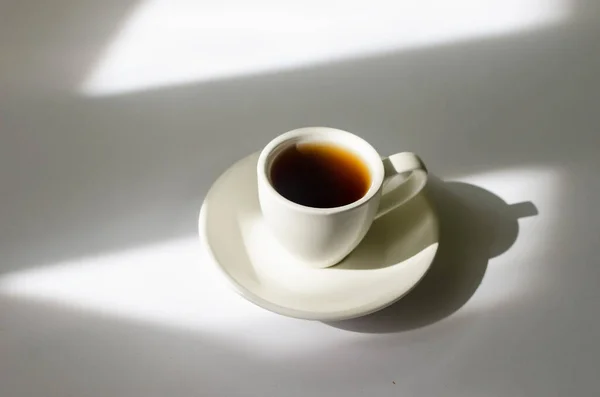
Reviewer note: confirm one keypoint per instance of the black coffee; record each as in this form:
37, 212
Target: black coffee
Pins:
320, 175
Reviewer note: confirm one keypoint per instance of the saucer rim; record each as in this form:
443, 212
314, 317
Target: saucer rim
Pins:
294, 313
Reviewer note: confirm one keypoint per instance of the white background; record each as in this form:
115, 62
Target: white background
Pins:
116, 117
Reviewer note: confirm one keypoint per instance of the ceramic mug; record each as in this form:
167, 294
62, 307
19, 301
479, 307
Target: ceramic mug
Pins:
322, 237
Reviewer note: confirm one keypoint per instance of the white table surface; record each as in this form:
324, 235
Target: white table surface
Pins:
104, 290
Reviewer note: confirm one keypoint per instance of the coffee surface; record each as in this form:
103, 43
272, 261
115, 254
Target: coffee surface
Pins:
320, 175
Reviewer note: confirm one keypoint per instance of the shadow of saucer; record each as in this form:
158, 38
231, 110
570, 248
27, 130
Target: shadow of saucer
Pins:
475, 226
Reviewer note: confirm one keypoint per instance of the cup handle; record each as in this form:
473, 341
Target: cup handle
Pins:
408, 175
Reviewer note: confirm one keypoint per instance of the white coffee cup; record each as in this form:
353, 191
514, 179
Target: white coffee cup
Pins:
322, 237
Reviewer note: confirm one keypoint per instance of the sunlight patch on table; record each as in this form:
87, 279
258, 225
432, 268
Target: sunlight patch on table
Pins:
167, 42
168, 283
172, 285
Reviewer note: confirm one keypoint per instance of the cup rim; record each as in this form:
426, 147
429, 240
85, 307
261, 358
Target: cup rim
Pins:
320, 134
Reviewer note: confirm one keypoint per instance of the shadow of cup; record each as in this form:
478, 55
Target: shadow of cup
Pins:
475, 226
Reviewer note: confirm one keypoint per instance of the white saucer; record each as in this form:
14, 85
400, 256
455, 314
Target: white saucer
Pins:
389, 262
